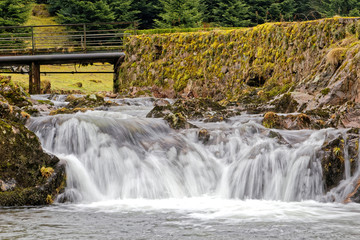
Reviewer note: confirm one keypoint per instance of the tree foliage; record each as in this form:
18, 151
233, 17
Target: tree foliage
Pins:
13, 13
181, 13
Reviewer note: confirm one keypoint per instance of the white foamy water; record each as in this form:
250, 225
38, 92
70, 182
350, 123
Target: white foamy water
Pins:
129, 177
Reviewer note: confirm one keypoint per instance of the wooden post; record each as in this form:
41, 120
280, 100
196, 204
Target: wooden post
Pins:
84, 33
34, 78
116, 82
32, 41
31, 90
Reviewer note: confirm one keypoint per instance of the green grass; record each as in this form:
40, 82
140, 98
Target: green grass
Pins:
91, 83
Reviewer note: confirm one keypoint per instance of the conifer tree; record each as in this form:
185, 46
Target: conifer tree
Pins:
123, 10
85, 11
13, 13
147, 12
344, 8
231, 13
179, 13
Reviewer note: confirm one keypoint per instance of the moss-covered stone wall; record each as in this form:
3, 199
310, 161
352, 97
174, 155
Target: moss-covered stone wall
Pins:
228, 64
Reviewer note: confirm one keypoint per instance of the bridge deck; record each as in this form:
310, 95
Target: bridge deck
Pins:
63, 44
50, 59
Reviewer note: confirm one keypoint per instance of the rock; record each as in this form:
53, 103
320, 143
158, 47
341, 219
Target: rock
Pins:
21, 160
14, 94
161, 102
178, 121
332, 157
83, 103
291, 122
285, 104
271, 120
68, 111
7, 186
276, 135
203, 135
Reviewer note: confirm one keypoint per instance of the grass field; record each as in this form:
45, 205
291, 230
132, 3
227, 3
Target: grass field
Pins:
67, 82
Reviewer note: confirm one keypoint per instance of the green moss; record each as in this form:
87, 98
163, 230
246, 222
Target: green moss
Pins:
325, 91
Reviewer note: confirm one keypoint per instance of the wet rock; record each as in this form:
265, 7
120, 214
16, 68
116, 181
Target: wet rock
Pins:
271, 120
21, 161
190, 109
161, 102
333, 156
291, 122
89, 101
178, 121
203, 135
65, 110
276, 135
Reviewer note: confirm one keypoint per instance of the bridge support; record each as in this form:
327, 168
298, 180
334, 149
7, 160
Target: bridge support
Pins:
34, 78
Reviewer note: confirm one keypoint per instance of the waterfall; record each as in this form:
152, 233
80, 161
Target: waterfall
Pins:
111, 155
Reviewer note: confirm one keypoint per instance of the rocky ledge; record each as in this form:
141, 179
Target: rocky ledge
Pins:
28, 175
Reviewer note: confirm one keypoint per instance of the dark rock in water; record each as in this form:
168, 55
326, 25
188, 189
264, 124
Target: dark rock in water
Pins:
21, 162
189, 109
89, 101
203, 135
65, 110
82, 104
333, 157
277, 135
291, 122
178, 121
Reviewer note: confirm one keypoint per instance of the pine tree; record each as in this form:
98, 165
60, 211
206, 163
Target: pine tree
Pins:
13, 13
180, 13
341, 7
123, 10
147, 12
208, 7
232, 13
84, 11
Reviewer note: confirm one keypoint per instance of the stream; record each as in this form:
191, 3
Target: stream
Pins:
132, 177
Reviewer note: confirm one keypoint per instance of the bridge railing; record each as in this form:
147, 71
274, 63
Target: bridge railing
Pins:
68, 38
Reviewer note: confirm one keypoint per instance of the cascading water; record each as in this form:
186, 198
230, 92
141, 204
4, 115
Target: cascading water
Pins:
111, 155
129, 177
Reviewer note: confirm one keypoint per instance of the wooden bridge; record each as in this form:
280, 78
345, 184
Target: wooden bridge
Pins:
86, 43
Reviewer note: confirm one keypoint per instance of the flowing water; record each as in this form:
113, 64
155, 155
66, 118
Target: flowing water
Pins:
129, 177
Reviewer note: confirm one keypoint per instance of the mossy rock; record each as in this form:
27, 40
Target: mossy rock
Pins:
65, 110
271, 120
13, 93
178, 121
285, 104
21, 161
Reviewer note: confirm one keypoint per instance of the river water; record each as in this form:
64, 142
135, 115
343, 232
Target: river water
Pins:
129, 177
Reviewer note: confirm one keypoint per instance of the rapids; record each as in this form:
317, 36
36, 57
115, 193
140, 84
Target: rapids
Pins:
130, 177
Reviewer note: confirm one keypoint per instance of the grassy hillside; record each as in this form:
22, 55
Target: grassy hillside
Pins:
65, 82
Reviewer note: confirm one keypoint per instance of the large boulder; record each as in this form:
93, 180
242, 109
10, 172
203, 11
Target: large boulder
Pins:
28, 175
334, 154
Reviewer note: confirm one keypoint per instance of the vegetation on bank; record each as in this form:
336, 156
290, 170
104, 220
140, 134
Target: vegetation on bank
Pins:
257, 63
